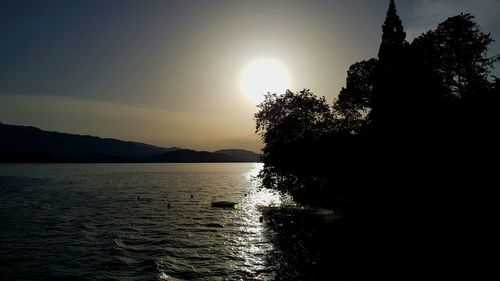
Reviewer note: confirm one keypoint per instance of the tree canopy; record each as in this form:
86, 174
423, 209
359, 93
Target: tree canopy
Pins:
413, 100
456, 54
355, 99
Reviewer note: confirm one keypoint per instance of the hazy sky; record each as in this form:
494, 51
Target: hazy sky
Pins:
167, 72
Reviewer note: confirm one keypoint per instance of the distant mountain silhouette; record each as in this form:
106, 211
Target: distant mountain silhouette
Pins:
191, 156
22, 144
30, 143
241, 154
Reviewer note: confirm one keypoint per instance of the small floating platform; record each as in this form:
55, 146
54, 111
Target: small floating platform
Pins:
225, 204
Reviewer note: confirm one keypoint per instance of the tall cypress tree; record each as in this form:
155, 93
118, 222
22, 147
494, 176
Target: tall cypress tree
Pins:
393, 35
388, 98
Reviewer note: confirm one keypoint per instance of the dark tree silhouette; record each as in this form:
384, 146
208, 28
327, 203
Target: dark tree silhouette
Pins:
451, 74
456, 54
355, 99
415, 102
294, 128
407, 130
427, 101
388, 96
393, 36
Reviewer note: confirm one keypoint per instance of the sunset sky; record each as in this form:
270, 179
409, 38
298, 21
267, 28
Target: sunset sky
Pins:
185, 73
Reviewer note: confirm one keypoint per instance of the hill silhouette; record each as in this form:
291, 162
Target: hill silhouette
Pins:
192, 156
24, 144
240, 153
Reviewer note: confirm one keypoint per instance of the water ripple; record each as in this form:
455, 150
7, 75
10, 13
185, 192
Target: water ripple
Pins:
132, 222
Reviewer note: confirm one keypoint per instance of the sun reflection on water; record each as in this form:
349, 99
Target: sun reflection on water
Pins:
171, 233
260, 196
253, 246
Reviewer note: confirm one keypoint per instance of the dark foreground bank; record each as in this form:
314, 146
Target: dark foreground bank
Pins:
310, 244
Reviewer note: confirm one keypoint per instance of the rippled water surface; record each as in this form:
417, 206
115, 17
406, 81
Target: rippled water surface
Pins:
85, 222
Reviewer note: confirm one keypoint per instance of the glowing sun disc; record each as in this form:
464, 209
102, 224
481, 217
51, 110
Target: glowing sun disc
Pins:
261, 76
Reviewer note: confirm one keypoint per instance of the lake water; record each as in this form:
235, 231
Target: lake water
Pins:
85, 222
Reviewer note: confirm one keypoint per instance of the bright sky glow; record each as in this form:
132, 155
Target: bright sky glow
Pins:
261, 76
189, 73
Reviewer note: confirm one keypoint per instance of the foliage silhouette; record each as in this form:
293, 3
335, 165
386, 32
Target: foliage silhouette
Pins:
295, 128
390, 98
355, 99
409, 128
456, 52
421, 101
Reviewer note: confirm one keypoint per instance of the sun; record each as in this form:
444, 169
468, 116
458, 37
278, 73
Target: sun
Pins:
261, 76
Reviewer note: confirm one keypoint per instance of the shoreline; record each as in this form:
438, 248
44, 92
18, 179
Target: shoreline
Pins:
309, 243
